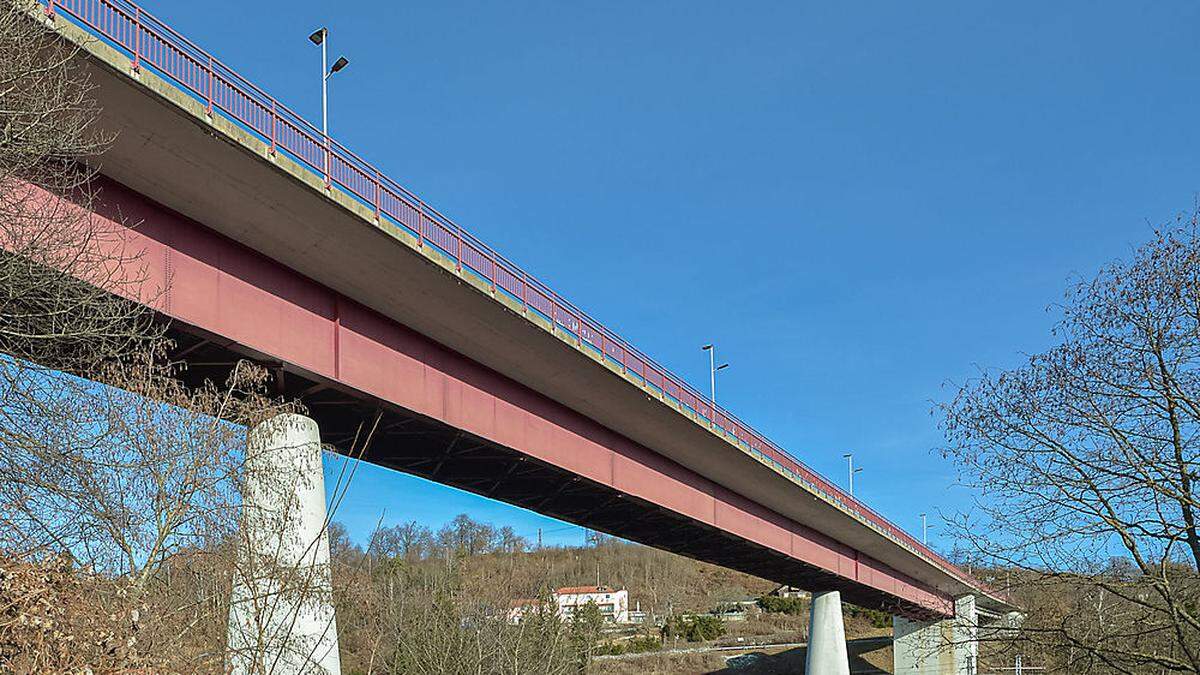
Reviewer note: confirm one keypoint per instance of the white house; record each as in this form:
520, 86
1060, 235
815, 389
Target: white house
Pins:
613, 604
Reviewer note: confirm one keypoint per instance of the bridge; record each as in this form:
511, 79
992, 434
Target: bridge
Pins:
262, 238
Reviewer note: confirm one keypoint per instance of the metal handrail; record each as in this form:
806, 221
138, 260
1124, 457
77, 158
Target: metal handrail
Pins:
152, 43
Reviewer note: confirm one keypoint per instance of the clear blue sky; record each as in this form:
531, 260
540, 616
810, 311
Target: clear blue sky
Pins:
856, 201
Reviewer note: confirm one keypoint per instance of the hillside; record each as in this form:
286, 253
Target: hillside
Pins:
426, 585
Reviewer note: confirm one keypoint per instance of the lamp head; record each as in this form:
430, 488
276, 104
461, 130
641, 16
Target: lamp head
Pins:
318, 35
342, 62
706, 347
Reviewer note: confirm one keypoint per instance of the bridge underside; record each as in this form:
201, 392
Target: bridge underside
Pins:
424, 447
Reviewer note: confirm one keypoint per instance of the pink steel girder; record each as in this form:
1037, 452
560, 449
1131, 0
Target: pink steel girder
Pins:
155, 45
238, 297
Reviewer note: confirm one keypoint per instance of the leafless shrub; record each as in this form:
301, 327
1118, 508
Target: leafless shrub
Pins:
53, 621
139, 485
442, 625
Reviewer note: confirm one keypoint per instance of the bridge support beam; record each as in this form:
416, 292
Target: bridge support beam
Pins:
946, 647
281, 611
826, 636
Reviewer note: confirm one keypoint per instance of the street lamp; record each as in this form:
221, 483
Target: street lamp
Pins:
924, 530
320, 37
850, 460
712, 371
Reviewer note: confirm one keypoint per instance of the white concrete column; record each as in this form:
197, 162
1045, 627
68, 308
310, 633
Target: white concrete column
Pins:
281, 616
826, 636
946, 647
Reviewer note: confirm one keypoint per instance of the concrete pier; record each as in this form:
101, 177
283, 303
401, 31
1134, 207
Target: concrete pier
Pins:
946, 647
826, 636
281, 616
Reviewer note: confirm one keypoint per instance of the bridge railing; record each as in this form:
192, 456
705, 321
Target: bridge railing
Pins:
155, 46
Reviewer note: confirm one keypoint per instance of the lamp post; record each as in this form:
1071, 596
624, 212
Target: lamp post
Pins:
320, 37
924, 530
712, 372
850, 461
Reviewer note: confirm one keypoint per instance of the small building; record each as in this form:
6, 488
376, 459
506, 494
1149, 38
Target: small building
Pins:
613, 604
786, 591
636, 615
521, 609
736, 610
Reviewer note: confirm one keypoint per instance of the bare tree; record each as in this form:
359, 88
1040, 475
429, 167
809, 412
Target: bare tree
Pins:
124, 476
407, 541
60, 267
1090, 452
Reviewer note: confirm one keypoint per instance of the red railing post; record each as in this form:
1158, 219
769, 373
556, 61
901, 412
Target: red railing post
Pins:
50, 9
421, 223
378, 189
328, 183
458, 252
525, 293
209, 105
274, 126
137, 39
